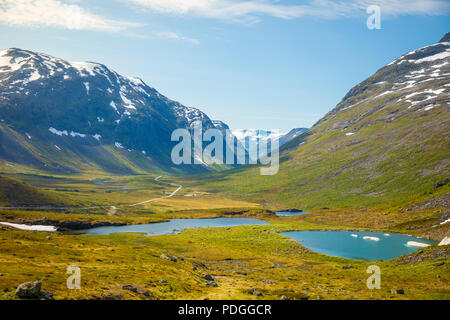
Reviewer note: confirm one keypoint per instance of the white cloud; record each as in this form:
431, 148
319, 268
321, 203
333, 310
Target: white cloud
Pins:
251, 10
176, 36
54, 13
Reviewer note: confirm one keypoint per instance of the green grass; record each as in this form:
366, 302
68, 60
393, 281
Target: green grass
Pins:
240, 258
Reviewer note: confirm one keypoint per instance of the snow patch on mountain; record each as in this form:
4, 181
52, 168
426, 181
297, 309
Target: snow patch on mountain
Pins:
86, 85
85, 68
438, 56
58, 132
66, 133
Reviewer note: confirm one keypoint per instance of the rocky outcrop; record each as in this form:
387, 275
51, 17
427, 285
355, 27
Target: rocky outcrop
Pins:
78, 225
235, 213
430, 253
32, 290
29, 290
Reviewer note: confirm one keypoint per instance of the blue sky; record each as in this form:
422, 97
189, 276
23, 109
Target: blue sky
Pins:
263, 64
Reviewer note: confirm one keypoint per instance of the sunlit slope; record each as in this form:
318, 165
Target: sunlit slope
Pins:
386, 142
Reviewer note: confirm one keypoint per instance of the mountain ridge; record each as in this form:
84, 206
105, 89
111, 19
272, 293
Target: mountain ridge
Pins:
86, 108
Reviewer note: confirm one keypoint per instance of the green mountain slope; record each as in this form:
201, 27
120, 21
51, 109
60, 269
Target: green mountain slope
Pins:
16, 193
386, 142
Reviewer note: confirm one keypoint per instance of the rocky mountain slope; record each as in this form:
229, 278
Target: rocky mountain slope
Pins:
72, 116
386, 142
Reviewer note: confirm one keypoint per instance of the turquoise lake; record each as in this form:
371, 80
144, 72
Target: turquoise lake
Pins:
175, 226
352, 245
290, 214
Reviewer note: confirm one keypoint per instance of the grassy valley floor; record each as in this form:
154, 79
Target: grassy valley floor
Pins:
247, 262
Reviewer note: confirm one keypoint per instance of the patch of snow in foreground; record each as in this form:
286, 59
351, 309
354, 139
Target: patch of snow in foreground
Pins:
354, 235
371, 238
30, 228
448, 220
417, 244
349, 134
445, 241
118, 145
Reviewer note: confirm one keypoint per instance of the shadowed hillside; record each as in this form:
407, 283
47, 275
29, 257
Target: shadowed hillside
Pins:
16, 193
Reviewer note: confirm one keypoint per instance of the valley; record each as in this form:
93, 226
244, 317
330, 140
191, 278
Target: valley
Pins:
245, 262
377, 164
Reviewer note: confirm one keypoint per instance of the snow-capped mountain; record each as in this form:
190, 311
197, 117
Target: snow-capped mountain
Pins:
76, 107
246, 136
253, 135
416, 82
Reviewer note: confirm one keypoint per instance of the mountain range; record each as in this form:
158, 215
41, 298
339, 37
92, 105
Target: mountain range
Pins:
77, 116
387, 141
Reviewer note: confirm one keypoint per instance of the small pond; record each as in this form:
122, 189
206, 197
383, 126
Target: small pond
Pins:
371, 246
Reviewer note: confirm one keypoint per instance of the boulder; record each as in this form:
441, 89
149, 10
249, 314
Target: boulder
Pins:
212, 284
255, 292
29, 290
46, 295
398, 291
130, 287
208, 277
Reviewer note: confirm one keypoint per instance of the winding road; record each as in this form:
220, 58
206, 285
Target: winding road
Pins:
113, 208
165, 197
